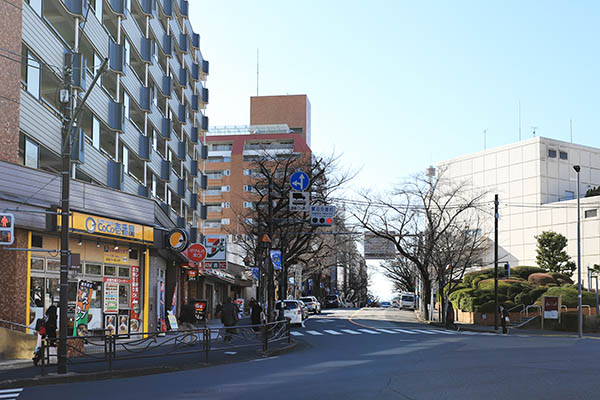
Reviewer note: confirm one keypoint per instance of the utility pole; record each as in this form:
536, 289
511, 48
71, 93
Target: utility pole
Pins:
68, 126
496, 262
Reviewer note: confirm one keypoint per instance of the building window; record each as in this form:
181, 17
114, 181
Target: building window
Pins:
569, 195
36, 5
32, 154
93, 269
98, 9
248, 188
226, 205
225, 221
31, 79
247, 172
125, 160
247, 204
224, 188
563, 155
591, 213
96, 132
226, 172
126, 104
37, 264
551, 153
127, 47
248, 221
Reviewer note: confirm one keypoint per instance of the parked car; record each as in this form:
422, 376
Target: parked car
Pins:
312, 303
333, 301
385, 304
292, 309
407, 301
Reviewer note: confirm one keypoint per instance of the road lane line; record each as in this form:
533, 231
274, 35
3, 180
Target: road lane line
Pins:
11, 390
332, 332
296, 333
424, 331
445, 332
315, 333
386, 330
350, 331
370, 331
405, 331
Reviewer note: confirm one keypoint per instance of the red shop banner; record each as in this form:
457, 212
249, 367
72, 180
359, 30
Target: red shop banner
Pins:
134, 321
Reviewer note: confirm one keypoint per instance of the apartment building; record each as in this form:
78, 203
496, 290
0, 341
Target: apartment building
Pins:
279, 127
537, 188
137, 150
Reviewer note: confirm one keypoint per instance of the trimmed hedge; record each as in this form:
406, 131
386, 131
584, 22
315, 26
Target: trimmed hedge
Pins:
569, 296
523, 272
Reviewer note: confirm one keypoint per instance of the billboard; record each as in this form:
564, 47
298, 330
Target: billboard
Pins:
377, 248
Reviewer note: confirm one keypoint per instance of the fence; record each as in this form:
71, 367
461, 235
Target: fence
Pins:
113, 348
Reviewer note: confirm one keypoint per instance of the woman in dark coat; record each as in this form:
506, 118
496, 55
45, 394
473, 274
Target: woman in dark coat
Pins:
51, 322
255, 310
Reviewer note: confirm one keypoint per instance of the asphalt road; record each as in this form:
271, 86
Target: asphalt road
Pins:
376, 354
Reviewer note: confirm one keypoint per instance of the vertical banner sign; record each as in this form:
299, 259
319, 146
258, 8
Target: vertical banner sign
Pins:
161, 307
134, 323
255, 273
82, 307
276, 259
174, 301
111, 297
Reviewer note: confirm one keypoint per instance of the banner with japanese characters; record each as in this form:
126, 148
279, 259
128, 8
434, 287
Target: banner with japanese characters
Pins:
82, 307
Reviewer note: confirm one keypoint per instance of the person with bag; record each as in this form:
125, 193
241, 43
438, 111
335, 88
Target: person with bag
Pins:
255, 311
505, 319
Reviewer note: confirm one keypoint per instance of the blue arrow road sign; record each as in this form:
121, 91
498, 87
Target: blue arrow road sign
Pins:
299, 181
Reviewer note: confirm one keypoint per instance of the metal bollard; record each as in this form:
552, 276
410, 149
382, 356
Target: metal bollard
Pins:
265, 338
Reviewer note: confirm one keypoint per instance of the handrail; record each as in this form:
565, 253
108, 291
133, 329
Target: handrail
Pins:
13, 325
531, 306
588, 308
518, 305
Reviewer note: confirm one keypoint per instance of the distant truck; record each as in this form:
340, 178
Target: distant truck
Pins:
407, 301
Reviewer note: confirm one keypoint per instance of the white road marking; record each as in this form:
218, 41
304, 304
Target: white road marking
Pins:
263, 359
350, 331
370, 331
315, 333
302, 323
324, 320
332, 332
405, 331
424, 331
11, 390
296, 333
231, 353
445, 332
386, 330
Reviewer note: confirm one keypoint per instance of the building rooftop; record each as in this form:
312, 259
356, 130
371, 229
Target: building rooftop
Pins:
227, 130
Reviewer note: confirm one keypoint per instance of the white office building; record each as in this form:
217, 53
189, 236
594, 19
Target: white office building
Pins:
537, 188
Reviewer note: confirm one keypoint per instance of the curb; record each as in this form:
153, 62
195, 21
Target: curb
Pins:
73, 377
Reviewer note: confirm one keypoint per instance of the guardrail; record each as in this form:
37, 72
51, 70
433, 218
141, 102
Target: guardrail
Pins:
13, 326
531, 306
113, 348
515, 307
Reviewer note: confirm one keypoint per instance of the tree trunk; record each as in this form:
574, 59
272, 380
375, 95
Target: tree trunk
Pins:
425, 297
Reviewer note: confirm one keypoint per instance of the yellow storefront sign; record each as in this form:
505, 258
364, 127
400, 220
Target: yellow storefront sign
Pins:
100, 226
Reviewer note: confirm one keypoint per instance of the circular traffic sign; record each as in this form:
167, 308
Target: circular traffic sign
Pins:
178, 239
299, 180
196, 252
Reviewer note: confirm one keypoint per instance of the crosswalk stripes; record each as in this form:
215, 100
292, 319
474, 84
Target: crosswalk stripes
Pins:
379, 331
423, 331
370, 331
10, 393
386, 331
405, 331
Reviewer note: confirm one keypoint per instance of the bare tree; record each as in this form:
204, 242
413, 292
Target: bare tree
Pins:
416, 216
402, 272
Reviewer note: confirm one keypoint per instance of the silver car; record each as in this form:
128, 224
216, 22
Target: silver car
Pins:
312, 303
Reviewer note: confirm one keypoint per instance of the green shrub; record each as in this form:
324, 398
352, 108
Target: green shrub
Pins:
468, 278
561, 278
569, 296
523, 298
535, 294
540, 279
523, 272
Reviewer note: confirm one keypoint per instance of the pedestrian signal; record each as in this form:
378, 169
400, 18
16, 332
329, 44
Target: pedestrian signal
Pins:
7, 229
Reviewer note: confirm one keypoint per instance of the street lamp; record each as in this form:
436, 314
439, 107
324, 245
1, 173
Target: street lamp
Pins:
577, 168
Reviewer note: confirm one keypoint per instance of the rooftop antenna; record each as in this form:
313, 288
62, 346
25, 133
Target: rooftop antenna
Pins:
257, 71
519, 120
484, 139
571, 128
534, 128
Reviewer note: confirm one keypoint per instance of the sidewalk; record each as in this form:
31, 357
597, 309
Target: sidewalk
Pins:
19, 373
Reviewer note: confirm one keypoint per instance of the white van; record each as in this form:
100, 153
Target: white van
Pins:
408, 301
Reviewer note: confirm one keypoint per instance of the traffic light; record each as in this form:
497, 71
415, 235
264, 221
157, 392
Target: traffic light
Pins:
321, 221
507, 270
7, 229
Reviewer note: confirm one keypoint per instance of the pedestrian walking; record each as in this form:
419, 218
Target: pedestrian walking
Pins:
450, 317
255, 311
229, 318
51, 323
504, 319
187, 317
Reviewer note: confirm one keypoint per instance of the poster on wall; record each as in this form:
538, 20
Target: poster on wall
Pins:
118, 256
160, 310
111, 297
110, 324
134, 325
82, 307
123, 324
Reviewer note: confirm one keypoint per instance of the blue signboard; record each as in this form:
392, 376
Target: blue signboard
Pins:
299, 180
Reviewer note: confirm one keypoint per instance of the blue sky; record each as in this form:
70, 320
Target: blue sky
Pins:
398, 85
